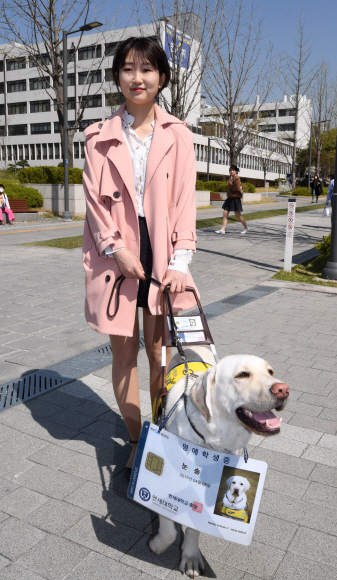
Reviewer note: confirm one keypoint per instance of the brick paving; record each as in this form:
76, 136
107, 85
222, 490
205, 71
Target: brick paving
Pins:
63, 508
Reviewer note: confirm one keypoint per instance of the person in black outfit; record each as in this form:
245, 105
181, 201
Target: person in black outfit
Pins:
316, 188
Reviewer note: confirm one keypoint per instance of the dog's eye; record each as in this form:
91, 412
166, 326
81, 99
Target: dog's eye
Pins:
271, 372
243, 375
241, 483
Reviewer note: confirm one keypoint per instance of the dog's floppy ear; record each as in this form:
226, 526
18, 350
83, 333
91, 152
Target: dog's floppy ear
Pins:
201, 393
247, 484
229, 481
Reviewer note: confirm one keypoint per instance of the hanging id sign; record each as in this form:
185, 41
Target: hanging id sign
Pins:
212, 492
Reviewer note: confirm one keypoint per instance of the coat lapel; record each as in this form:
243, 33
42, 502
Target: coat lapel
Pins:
162, 141
118, 152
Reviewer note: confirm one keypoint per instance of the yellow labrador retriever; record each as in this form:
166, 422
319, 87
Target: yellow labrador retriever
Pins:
220, 410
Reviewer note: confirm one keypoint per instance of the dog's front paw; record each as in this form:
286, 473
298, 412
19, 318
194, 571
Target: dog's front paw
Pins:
191, 563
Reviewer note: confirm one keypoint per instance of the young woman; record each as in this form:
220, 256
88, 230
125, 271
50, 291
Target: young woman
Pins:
139, 181
233, 201
5, 208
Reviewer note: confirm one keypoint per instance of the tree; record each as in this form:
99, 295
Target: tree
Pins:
323, 98
327, 155
243, 71
37, 25
267, 157
298, 77
187, 30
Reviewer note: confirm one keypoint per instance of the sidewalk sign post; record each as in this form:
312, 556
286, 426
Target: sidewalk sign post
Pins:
288, 251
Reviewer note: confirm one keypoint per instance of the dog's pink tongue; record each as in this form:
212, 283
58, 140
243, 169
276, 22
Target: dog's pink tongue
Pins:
267, 416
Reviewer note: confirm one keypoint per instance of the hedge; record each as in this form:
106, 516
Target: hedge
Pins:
303, 191
221, 186
32, 195
46, 174
324, 247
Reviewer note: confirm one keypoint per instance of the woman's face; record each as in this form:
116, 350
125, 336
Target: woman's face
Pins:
232, 172
315, 177
139, 81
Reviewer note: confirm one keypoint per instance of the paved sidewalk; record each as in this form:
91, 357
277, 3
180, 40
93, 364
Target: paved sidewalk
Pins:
64, 513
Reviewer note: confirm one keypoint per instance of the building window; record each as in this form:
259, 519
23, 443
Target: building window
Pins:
17, 108
26, 151
82, 150
86, 122
2, 88
56, 127
269, 129
266, 114
15, 152
15, 63
3, 152
71, 104
110, 48
91, 101
39, 59
1, 68
76, 150
114, 99
287, 127
40, 106
40, 128
32, 152
109, 76
94, 76
287, 113
2, 109
16, 86
57, 150
9, 153
20, 152
71, 80
87, 52
14, 130
38, 152
50, 151
39, 83
2, 131
44, 150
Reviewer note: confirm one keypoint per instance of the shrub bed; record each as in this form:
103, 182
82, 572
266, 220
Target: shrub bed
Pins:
303, 191
32, 195
324, 247
46, 174
221, 186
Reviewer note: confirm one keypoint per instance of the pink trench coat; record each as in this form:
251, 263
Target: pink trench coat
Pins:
112, 216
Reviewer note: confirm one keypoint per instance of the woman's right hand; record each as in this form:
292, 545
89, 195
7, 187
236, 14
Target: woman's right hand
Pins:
129, 265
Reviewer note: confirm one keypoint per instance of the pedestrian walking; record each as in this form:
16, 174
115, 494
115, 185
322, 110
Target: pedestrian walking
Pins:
329, 195
233, 201
316, 188
5, 208
139, 183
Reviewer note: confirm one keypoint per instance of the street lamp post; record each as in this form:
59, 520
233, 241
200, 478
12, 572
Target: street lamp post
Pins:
310, 150
86, 27
330, 270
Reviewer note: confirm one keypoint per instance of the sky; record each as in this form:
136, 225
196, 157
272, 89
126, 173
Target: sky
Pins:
280, 23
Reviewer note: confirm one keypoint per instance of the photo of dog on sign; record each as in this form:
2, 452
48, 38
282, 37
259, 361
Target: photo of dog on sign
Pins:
236, 495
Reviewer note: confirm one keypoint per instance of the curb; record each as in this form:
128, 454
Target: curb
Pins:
300, 286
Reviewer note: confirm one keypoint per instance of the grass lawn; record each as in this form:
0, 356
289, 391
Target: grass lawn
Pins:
76, 241
306, 272
66, 243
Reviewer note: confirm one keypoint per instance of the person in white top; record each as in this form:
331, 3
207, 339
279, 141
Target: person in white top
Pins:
141, 70
5, 207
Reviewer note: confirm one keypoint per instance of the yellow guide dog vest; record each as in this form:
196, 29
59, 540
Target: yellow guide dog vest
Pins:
173, 377
235, 514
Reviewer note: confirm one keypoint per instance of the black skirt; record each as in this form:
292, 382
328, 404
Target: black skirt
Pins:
146, 261
232, 204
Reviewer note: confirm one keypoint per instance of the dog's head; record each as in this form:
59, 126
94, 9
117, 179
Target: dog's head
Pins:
237, 485
243, 386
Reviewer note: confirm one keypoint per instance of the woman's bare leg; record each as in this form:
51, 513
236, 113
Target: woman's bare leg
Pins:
224, 220
153, 343
125, 382
241, 219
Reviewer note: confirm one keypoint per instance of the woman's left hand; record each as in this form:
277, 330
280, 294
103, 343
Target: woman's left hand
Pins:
177, 281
